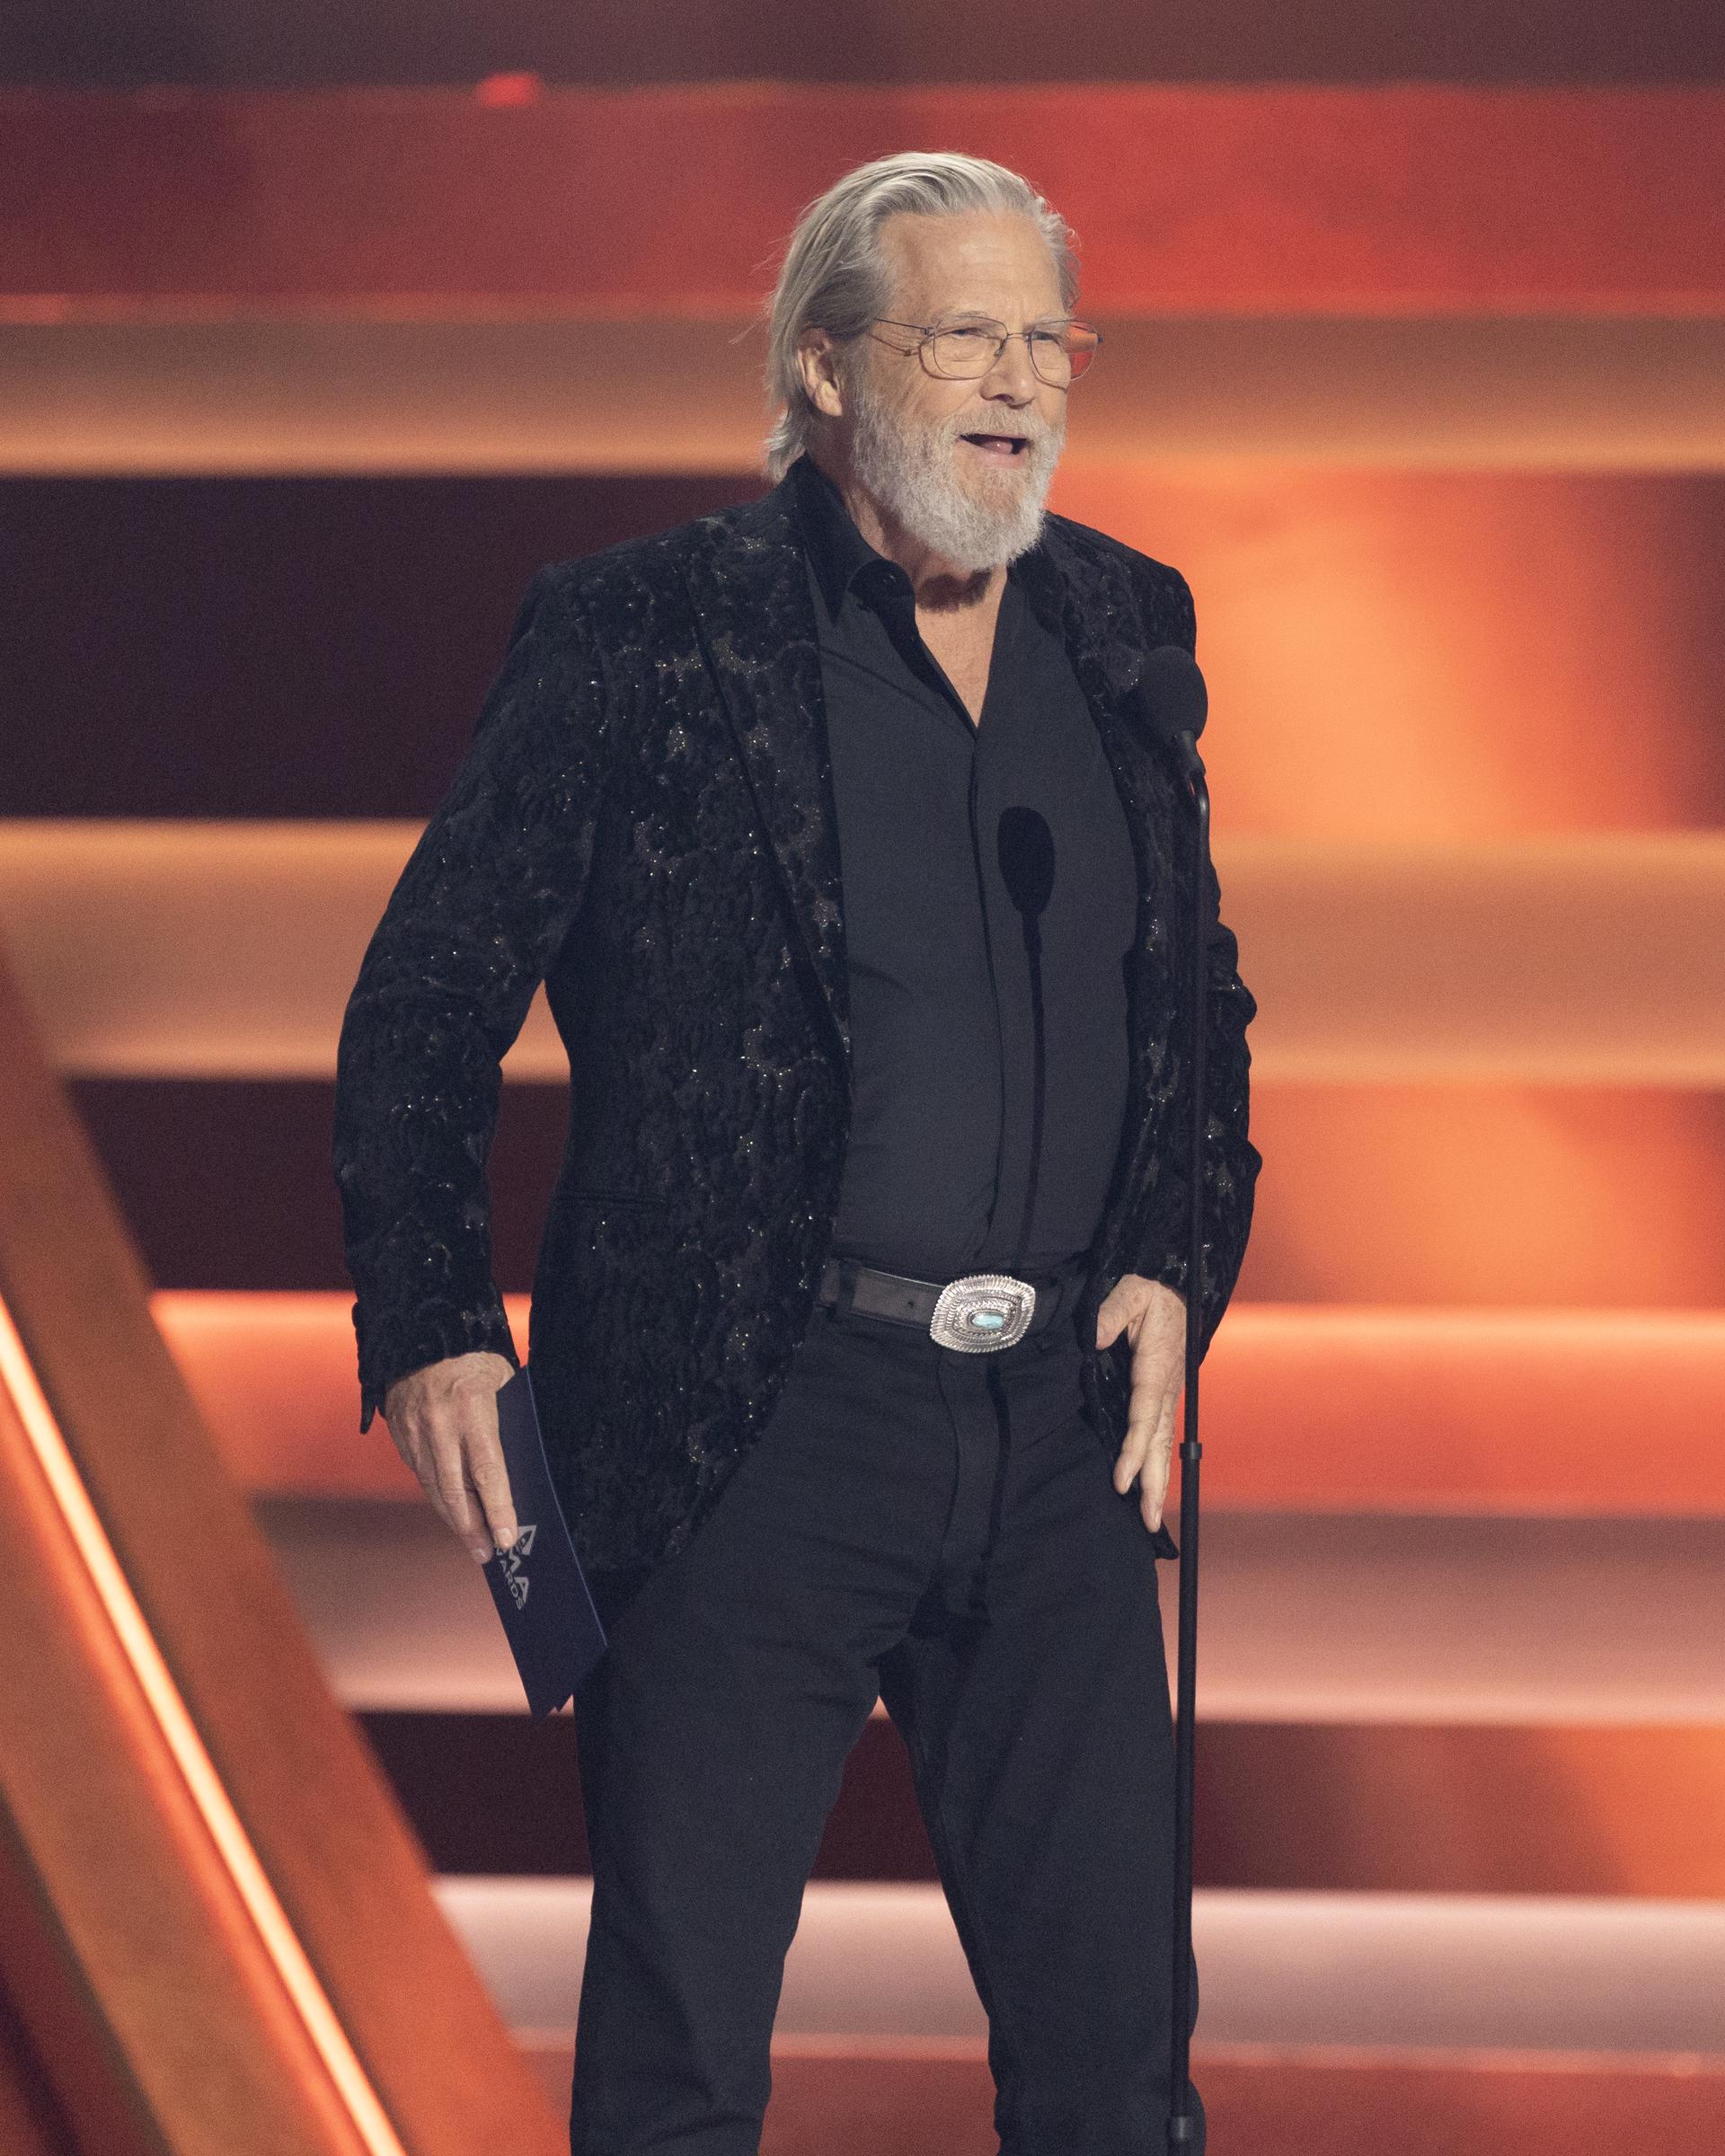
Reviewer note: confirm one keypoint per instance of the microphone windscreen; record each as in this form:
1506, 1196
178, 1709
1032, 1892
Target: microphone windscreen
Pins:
1026, 849
1171, 696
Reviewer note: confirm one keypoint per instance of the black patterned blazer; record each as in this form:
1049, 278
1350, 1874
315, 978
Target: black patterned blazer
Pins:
644, 820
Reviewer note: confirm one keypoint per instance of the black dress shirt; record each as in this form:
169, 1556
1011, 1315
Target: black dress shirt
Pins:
942, 997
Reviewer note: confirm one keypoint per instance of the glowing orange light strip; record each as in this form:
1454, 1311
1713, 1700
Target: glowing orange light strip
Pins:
138, 1643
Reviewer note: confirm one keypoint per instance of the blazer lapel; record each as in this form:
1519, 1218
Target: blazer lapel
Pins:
1089, 600
756, 624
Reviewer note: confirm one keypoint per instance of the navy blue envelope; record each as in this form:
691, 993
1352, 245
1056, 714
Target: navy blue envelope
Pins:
548, 1615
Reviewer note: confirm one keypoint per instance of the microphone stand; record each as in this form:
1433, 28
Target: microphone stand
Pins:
1183, 2122
1039, 1064
1025, 849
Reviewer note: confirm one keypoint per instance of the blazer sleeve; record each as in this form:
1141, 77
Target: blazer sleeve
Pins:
473, 924
1230, 1160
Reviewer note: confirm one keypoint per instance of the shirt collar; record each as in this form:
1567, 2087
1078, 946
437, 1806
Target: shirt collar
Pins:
837, 552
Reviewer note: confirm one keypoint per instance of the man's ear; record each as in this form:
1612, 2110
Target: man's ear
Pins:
817, 363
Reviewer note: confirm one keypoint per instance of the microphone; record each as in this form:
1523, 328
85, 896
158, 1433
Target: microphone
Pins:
1171, 704
1024, 845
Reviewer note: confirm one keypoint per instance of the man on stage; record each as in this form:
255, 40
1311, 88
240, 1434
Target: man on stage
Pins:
864, 906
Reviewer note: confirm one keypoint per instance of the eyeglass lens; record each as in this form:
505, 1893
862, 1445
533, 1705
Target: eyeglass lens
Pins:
1057, 355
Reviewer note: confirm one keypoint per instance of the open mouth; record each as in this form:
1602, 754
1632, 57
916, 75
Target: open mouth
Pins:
1005, 448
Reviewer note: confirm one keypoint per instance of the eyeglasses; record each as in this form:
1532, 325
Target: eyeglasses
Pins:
964, 351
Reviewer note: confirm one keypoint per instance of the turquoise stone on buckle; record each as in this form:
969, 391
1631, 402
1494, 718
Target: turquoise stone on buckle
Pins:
982, 1312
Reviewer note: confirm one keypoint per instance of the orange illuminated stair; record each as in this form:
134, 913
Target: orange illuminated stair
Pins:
155, 947
1535, 2019
1475, 1411
395, 281
535, 206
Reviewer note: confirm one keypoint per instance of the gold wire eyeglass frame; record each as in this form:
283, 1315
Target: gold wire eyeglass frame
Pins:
1077, 358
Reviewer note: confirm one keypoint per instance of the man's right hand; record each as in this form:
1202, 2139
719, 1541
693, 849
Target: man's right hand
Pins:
443, 1419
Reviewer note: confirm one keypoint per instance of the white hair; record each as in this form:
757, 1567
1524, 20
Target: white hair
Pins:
834, 277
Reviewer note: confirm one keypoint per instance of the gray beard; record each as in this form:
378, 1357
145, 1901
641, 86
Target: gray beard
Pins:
911, 475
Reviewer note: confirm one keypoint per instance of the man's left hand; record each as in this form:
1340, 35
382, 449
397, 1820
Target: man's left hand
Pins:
1153, 1318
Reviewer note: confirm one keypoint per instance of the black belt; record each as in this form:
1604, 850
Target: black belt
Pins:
977, 1313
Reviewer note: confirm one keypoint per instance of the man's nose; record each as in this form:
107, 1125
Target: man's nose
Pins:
1011, 378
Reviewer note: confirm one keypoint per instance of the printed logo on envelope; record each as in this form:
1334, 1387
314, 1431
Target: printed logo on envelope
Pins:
515, 1571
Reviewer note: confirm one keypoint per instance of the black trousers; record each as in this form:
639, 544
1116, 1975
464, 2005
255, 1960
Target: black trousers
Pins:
942, 1530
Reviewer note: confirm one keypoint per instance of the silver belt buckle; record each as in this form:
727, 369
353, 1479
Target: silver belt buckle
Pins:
982, 1312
